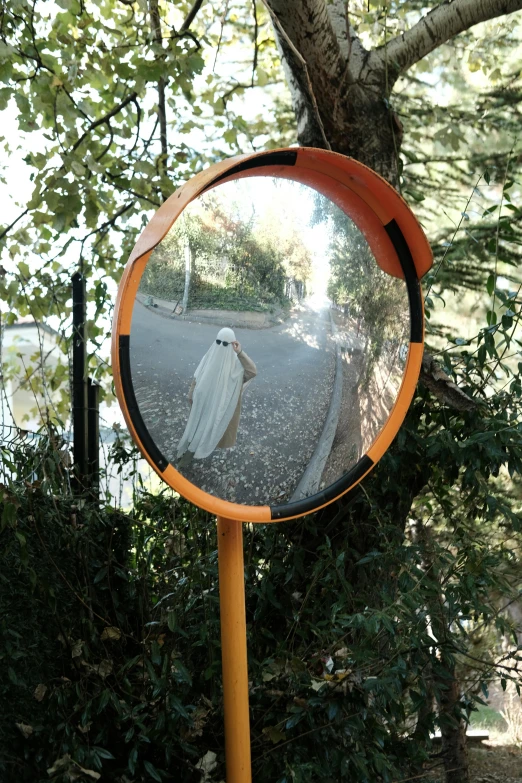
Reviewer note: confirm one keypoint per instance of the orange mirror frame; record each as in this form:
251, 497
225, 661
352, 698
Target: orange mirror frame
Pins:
400, 249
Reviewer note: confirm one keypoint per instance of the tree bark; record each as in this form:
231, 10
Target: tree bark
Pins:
341, 91
452, 725
453, 731
155, 23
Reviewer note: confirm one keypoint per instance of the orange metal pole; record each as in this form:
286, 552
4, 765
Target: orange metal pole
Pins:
234, 650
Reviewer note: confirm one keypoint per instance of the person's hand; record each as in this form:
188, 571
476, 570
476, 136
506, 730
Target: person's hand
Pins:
236, 346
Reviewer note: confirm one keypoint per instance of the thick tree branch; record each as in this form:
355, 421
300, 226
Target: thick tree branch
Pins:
155, 23
441, 24
349, 43
313, 64
191, 16
440, 384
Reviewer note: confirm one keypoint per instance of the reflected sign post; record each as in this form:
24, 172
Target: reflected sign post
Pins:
268, 337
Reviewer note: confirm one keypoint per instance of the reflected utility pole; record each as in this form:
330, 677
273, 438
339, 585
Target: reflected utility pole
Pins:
187, 274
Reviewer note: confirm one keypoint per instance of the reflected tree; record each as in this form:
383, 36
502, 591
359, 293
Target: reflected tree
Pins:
218, 256
372, 302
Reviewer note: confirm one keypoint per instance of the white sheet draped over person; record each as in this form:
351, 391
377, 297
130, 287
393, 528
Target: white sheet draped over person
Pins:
215, 396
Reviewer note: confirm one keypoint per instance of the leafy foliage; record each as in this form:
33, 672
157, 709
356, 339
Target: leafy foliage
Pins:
124, 641
361, 619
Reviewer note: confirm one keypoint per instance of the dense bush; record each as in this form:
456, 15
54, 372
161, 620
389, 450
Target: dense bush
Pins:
110, 629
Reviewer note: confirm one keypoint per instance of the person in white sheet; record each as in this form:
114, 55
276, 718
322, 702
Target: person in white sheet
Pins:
215, 398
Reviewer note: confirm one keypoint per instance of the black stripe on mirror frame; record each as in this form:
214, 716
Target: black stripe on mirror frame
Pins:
132, 406
308, 505
412, 281
284, 158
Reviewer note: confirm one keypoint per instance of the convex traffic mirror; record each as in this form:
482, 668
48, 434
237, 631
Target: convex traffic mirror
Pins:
269, 332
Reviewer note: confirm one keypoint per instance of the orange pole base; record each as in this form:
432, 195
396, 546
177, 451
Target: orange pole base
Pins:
234, 650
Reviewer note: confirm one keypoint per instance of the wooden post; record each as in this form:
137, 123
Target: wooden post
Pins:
234, 650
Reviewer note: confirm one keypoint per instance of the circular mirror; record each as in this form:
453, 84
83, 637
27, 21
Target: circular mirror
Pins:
268, 338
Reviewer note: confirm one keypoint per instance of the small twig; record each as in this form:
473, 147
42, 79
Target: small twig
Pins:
348, 29
450, 245
107, 148
112, 113
15, 221
223, 18
155, 21
256, 48
110, 222
497, 238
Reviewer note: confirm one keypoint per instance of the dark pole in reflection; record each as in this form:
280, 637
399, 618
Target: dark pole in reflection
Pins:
93, 435
79, 383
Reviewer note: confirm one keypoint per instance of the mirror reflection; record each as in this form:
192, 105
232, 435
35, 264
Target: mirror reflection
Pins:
267, 346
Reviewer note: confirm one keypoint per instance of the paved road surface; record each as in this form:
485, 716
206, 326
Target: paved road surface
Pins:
283, 411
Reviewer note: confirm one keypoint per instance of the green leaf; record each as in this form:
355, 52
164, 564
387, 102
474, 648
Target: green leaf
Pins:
102, 753
274, 734
178, 707
21, 538
104, 700
8, 515
77, 168
155, 653
152, 771
294, 720
133, 757
415, 194
332, 710
507, 321
6, 51
102, 573
262, 77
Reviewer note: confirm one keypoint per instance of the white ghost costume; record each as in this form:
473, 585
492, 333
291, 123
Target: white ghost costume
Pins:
216, 396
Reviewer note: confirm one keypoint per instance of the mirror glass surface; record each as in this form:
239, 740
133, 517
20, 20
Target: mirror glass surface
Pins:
315, 358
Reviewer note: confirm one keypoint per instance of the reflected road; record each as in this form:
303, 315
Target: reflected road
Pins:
283, 410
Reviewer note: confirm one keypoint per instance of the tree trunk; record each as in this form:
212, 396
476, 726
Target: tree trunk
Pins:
452, 725
453, 730
341, 92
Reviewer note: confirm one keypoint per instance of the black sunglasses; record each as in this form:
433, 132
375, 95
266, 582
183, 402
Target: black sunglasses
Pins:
222, 341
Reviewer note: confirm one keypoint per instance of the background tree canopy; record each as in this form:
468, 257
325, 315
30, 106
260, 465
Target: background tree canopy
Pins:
220, 257
384, 616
